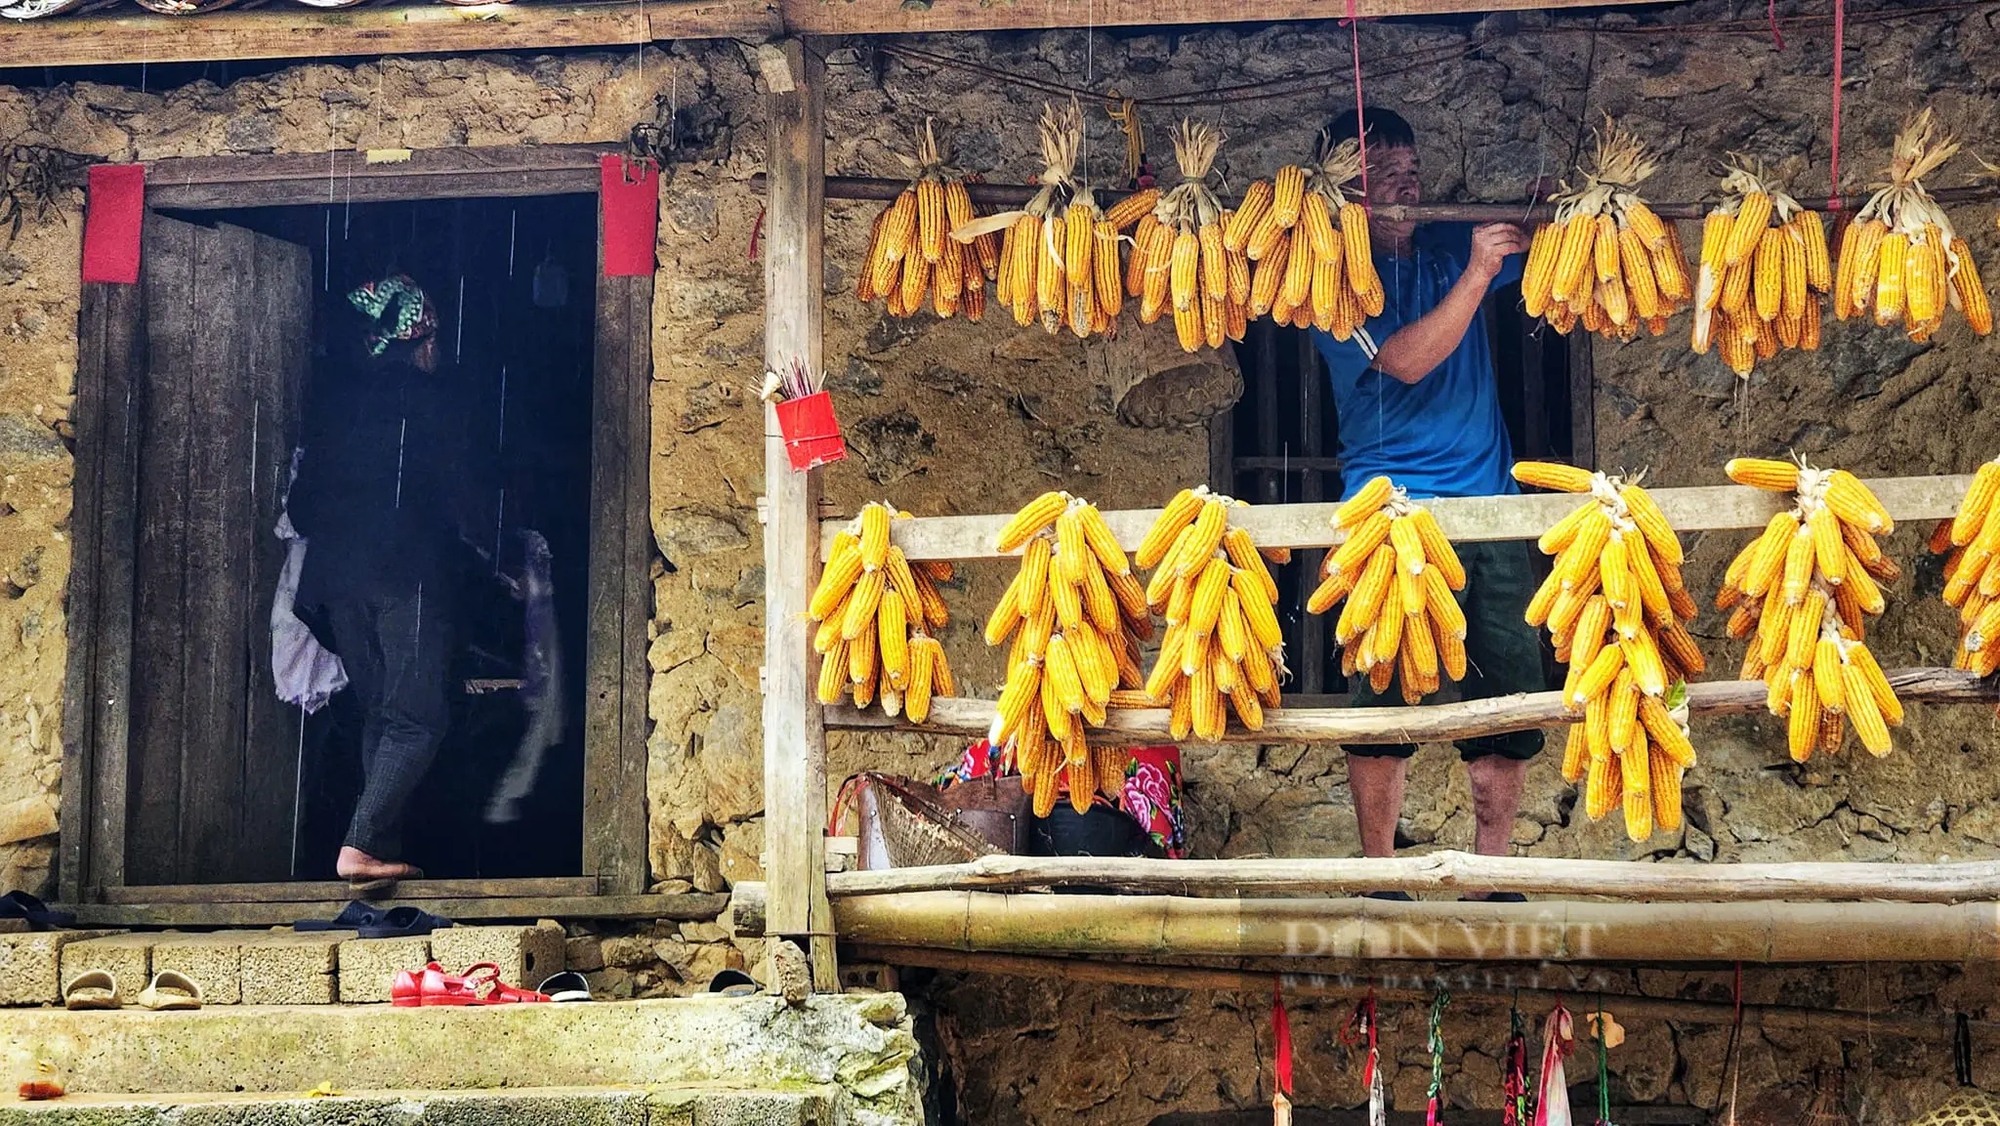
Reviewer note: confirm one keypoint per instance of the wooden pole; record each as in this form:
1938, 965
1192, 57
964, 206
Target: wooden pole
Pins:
1464, 519
1363, 983
1448, 871
1429, 723
794, 740
1361, 928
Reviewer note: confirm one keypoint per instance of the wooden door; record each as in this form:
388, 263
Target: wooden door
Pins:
213, 753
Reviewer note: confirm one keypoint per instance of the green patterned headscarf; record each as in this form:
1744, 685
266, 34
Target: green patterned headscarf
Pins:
400, 310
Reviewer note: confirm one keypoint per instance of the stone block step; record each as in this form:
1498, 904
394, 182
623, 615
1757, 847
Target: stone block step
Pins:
862, 1043
546, 1106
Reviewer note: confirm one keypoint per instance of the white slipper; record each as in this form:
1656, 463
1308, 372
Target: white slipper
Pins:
91, 989
566, 986
170, 991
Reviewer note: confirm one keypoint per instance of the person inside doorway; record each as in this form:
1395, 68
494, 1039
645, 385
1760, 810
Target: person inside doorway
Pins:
380, 498
1417, 401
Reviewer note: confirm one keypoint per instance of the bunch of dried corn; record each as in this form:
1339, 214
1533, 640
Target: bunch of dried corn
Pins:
1606, 261
1222, 642
1058, 260
1971, 576
1398, 574
911, 251
1076, 614
1802, 592
1900, 257
1315, 263
876, 612
1179, 263
1763, 267
1616, 608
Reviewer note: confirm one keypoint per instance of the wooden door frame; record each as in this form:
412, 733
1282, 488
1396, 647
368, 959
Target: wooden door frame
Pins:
111, 344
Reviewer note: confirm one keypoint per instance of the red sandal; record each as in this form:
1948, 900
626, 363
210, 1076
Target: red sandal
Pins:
479, 985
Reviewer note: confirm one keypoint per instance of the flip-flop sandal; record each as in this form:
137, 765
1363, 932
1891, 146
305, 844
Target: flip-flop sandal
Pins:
381, 885
567, 986
733, 983
21, 905
403, 922
352, 917
91, 989
170, 991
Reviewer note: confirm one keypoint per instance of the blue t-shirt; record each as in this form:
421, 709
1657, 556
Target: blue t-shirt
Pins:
1443, 436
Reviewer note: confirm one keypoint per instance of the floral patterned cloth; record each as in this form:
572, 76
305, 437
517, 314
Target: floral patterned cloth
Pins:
1151, 795
413, 317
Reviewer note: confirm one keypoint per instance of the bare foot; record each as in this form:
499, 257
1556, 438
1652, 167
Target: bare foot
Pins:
355, 864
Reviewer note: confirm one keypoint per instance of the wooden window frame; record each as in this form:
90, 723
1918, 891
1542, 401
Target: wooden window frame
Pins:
111, 340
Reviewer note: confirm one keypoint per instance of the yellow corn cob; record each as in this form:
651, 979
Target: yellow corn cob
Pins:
1255, 206
1637, 268
923, 666
1666, 794
1603, 787
1204, 537
1552, 475
1263, 620
1451, 654
1179, 513
874, 536
1802, 631
1797, 283
1663, 733
1862, 710
930, 218
1288, 195
1156, 294
1735, 296
1573, 259
893, 639
1022, 691
861, 657
1844, 270
913, 284
1636, 771
1387, 635
1135, 264
1827, 679
898, 234
1969, 290
1763, 473
1830, 551
1214, 264
1605, 253
1132, 208
1242, 552
1588, 637
843, 567
1652, 524
861, 605
1921, 265
1978, 502
833, 673
1802, 725
1670, 274
1207, 604
1853, 502
1364, 503
1109, 283
1582, 553
1269, 276
1641, 221
1867, 263
1062, 678
1767, 273
1006, 613
1563, 532
1073, 554
1330, 590
1538, 275
1184, 269
1576, 754
1323, 296
1746, 230
1317, 223
1597, 679
1437, 550
1213, 320
1544, 600
1365, 604
948, 282
1889, 280
1232, 630
1248, 710
1624, 713
1297, 286
1360, 257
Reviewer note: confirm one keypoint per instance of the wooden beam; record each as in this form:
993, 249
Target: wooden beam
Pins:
292, 33
439, 29
1429, 723
1449, 871
692, 907
1464, 519
1363, 984
348, 175
309, 891
1649, 933
794, 741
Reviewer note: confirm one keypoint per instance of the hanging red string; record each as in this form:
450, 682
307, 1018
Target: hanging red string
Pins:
1839, 46
1281, 1056
1353, 22
1777, 37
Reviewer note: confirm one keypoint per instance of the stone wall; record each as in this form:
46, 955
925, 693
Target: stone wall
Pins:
950, 417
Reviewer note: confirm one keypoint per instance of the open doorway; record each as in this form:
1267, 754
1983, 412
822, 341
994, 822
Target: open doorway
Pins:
1280, 444
229, 784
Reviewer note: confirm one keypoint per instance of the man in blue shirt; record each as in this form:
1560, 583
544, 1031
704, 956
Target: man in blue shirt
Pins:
1415, 392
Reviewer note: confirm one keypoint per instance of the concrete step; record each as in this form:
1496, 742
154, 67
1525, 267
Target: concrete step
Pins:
859, 1045
539, 1106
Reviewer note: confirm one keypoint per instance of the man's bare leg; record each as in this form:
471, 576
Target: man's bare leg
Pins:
1377, 785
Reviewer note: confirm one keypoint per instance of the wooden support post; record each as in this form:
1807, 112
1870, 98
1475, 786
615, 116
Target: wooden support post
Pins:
794, 741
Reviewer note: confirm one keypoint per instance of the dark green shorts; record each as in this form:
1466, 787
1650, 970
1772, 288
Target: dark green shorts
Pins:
1503, 654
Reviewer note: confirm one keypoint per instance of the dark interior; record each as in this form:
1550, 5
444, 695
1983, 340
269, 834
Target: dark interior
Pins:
512, 280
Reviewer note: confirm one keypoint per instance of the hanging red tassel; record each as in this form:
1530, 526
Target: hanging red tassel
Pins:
1514, 1084
1359, 1031
1552, 1094
1281, 1054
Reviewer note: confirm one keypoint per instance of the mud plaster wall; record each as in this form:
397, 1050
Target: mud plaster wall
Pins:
949, 418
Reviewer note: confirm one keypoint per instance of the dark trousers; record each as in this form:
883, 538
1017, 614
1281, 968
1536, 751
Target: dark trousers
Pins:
397, 650
1503, 654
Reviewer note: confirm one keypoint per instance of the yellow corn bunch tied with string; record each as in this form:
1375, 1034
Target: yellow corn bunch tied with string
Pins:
1057, 262
1617, 610
876, 616
1396, 579
1222, 650
1900, 259
1969, 541
1307, 234
915, 259
1606, 261
1073, 619
1764, 273
1801, 594
1180, 266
